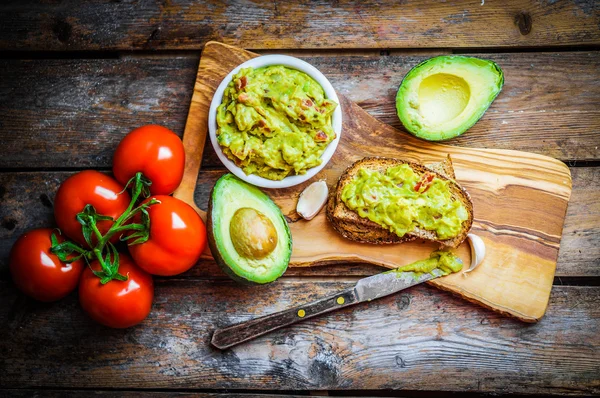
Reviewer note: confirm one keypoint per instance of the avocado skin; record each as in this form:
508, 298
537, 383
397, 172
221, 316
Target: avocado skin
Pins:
212, 244
432, 137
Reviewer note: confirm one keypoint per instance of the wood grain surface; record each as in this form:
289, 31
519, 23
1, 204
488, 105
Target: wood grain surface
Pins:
79, 109
64, 393
421, 334
76, 76
519, 199
27, 202
147, 24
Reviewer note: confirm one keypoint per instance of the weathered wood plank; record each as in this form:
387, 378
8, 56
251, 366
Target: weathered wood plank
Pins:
41, 393
404, 341
100, 25
580, 245
72, 113
26, 203
45, 393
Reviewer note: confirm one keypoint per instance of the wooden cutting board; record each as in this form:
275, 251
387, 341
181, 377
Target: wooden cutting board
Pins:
520, 201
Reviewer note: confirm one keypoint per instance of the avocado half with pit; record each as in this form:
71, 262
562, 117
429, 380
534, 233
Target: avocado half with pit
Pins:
443, 97
248, 235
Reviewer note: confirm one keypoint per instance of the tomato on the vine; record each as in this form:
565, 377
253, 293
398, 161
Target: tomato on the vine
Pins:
88, 187
177, 238
39, 273
155, 151
117, 304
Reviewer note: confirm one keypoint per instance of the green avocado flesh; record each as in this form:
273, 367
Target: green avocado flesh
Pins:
443, 97
400, 200
248, 235
274, 121
446, 262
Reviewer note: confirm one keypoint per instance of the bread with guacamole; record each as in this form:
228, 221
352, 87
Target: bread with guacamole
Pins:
274, 121
383, 200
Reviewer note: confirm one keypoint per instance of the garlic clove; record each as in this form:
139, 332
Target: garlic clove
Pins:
477, 251
312, 200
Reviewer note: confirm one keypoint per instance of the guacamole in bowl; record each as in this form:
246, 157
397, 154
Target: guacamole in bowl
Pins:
276, 122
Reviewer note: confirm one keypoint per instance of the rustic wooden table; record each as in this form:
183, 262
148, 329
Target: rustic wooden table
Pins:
75, 77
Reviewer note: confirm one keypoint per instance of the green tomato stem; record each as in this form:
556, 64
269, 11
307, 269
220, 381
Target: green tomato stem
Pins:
111, 271
98, 254
96, 231
117, 226
129, 227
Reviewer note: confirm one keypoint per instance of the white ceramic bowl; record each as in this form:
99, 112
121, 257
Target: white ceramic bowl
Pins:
293, 63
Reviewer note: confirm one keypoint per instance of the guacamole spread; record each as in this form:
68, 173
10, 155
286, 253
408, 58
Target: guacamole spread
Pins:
274, 121
400, 200
446, 262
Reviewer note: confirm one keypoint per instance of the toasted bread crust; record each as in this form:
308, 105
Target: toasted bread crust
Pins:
353, 227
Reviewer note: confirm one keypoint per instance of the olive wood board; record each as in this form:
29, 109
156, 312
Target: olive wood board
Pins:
519, 199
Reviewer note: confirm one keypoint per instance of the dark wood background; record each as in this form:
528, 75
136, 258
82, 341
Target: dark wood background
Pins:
75, 77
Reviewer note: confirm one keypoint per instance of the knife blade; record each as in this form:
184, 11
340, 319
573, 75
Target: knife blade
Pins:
366, 289
389, 282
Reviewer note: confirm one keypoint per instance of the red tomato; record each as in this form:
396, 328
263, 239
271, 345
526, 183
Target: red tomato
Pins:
177, 238
117, 304
154, 150
39, 273
88, 187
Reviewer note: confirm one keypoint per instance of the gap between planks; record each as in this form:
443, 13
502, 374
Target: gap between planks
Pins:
559, 281
228, 392
366, 52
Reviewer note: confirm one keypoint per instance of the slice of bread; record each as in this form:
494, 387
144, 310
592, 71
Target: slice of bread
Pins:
342, 213
350, 225
362, 233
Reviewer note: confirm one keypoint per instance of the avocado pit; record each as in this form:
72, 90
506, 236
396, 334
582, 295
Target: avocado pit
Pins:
252, 233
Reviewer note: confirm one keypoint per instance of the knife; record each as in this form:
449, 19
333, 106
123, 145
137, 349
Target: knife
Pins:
366, 289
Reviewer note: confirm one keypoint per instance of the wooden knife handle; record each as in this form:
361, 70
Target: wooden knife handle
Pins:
236, 334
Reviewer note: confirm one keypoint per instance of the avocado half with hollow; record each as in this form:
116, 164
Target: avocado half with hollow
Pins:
248, 235
443, 97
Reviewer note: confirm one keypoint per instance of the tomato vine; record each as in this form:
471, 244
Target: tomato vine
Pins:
104, 250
